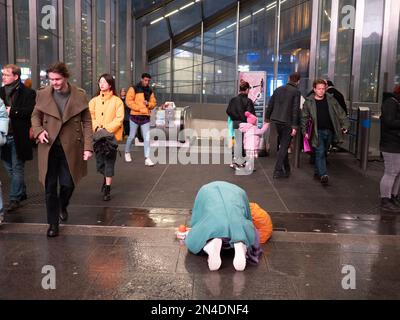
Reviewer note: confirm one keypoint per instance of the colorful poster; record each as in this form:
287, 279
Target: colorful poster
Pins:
257, 93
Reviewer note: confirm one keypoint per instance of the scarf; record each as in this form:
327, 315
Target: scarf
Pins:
10, 90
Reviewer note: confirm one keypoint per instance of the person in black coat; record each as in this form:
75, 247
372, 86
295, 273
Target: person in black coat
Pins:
19, 101
337, 95
236, 110
390, 148
284, 111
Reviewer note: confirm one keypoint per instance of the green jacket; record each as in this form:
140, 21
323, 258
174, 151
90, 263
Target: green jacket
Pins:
338, 117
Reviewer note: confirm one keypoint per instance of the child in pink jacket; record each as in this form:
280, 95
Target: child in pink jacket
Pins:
251, 140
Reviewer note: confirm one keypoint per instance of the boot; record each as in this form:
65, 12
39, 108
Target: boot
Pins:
104, 185
396, 200
388, 206
52, 231
64, 214
107, 191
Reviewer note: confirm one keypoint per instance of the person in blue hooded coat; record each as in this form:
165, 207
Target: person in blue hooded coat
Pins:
221, 212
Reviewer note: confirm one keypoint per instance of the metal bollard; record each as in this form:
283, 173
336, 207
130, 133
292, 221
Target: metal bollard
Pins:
297, 148
364, 128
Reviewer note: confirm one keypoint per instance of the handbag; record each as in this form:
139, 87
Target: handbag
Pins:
306, 142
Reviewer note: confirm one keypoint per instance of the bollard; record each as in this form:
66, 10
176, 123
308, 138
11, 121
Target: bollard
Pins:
297, 148
364, 128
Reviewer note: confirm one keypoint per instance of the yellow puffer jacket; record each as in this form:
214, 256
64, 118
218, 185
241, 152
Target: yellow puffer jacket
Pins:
107, 111
262, 221
135, 101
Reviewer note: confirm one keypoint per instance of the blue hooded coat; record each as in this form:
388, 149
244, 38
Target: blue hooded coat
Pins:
221, 210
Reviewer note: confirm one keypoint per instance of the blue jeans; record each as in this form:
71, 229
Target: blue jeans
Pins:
324, 141
146, 137
15, 169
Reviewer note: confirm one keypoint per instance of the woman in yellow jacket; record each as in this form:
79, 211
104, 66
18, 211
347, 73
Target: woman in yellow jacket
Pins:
107, 111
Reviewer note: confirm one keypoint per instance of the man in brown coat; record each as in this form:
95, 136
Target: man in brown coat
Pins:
62, 124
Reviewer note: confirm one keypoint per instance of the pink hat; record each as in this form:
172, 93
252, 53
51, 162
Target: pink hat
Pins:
251, 118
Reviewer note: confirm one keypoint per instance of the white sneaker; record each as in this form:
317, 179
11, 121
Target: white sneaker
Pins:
239, 261
148, 162
213, 249
128, 157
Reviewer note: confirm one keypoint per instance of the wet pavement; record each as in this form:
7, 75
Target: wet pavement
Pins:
126, 248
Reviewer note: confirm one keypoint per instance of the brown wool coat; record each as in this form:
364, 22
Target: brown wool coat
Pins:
74, 130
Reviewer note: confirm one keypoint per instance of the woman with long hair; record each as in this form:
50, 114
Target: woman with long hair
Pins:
107, 111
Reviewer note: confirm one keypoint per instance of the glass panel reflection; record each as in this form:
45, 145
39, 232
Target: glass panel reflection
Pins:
371, 50
47, 35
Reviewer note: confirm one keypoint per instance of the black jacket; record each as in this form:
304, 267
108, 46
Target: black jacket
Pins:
339, 97
23, 102
237, 108
390, 123
284, 106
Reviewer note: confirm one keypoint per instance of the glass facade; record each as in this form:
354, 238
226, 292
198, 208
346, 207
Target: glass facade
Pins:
22, 37
295, 40
202, 66
219, 74
69, 39
47, 36
257, 40
3, 34
86, 52
371, 50
344, 50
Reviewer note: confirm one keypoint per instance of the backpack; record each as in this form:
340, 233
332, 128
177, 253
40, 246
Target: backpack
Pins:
262, 221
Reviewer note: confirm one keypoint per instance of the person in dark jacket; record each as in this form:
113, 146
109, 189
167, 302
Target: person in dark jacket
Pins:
390, 148
284, 110
19, 101
236, 110
337, 95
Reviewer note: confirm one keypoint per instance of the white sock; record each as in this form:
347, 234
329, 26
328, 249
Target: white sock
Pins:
213, 249
239, 261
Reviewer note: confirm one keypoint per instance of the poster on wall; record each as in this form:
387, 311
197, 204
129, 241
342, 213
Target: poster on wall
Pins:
257, 93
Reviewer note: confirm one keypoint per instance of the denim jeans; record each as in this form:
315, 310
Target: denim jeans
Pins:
15, 169
133, 127
324, 141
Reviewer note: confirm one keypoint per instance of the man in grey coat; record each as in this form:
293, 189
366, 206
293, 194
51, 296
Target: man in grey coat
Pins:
329, 123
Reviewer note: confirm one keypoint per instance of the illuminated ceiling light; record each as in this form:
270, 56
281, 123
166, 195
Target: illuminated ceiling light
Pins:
187, 5
220, 30
171, 13
157, 20
258, 11
245, 18
231, 25
197, 1
270, 6
326, 13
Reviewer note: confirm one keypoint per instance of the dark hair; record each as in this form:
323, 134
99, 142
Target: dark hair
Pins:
244, 86
60, 68
319, 81
294, 77
146, 75
111, 81
16, 71
396, 89
329, 83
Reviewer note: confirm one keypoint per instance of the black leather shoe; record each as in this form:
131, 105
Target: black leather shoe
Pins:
52, 231
280, 175
13, 205
64, 215
23, 197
